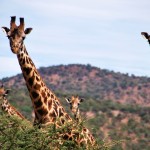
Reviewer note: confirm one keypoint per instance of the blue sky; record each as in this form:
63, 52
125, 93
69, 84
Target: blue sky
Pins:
103, 33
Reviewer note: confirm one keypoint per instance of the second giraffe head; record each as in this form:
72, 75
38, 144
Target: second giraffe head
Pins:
16, 34
74, 102
3, 92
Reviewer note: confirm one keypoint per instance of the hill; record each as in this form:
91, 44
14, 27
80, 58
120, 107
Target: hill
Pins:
116, 106
91, 82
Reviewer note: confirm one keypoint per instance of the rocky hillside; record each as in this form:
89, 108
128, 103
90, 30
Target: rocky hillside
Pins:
93, 82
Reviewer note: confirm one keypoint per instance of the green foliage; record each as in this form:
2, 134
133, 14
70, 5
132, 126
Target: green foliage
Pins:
17, 134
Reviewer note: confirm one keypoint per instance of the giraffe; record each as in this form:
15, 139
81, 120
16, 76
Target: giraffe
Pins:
146, 36
47, 107
74, 102
6, 106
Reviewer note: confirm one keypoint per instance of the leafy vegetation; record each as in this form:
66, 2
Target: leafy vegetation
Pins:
17, 134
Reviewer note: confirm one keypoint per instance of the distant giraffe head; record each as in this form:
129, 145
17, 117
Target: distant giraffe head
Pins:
16, 34
74, 102
6, 106
3, 92
146, 36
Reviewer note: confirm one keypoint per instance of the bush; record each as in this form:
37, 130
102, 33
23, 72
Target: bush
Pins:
17, 134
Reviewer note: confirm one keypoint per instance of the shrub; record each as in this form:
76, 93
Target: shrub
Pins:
17, 134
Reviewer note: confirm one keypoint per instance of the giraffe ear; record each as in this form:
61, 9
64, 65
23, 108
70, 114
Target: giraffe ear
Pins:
145, 35
81, 99
27, 30
68, 100
5, 30
7, 91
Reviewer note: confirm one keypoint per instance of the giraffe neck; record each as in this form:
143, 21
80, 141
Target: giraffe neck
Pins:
46, 105
77, 114
9, 109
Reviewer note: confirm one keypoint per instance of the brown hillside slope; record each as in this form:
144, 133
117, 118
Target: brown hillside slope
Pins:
91, 82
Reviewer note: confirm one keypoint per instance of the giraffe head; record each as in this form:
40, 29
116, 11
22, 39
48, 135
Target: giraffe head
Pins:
74, 102
16, 34
3, 92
